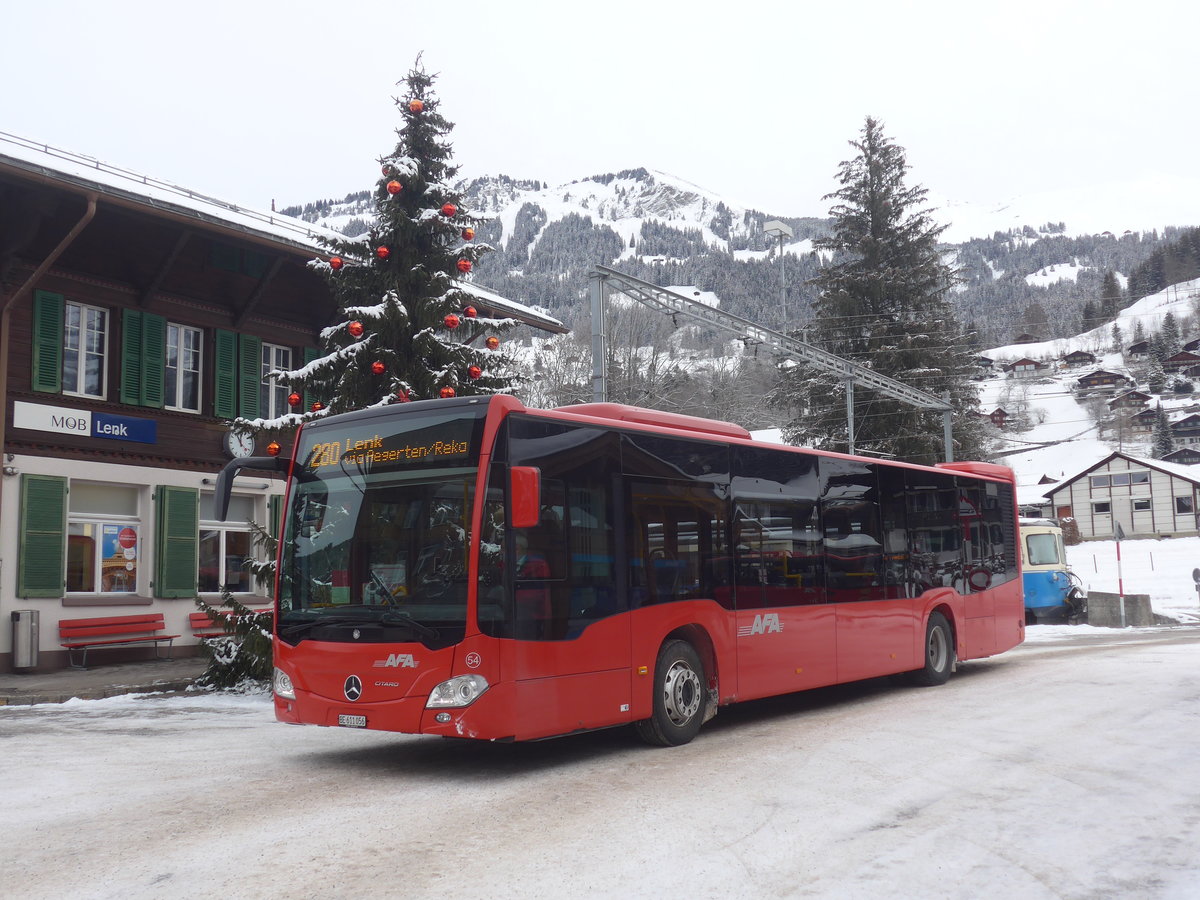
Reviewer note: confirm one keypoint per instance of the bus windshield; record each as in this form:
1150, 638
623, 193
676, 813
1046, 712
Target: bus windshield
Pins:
377, 531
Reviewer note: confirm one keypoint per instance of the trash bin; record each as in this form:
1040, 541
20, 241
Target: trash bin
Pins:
25, 638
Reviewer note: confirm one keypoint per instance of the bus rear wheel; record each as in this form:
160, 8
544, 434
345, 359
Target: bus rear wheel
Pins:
939, 653
679, 696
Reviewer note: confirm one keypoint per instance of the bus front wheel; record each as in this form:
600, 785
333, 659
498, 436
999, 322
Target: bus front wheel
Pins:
939, 653
679, 696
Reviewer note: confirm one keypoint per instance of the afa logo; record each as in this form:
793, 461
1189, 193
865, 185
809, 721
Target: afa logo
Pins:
764, 623
396, 661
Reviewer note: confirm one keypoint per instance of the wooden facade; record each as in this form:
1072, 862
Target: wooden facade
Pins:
138, 320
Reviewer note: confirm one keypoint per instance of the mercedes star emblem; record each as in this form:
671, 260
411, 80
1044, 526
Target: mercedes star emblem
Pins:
352, 688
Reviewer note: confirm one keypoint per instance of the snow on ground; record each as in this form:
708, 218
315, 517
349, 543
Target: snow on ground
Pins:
1063, 768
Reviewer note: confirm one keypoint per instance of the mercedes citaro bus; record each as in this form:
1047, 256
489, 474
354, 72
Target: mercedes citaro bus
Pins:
474, 568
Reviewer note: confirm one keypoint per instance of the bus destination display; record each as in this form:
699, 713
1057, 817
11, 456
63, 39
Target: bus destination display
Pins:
363, 449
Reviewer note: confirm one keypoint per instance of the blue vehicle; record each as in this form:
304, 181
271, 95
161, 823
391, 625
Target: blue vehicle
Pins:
1053, 593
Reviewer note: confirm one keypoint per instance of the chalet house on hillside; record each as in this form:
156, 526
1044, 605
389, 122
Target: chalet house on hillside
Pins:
1147, 497
1180, 361
998, 417
1143, 422
1184, 456
1130, 400
1192, 346
1027, 338
136, 320
1186, 430
1025, 368
1138, 350
1079, 358
1102, 380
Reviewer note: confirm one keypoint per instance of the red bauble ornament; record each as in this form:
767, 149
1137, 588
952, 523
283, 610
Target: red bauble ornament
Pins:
336, 262
468, 234
386, 169
273, 449
451, 321
394, 187
355, 329
383, 252
470, 312
464, 265
446, 392
293, 399
492, 342
377, 367
402, 396
474, 371
317, 406
415, 105
448, 210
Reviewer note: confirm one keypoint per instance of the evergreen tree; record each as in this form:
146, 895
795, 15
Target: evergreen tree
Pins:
1170, 336
1164, 440
1110, 296
1118, 339
883, 303
1139, 331
408, 330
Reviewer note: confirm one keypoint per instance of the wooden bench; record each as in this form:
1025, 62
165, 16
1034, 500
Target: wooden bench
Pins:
206, 626
111, 631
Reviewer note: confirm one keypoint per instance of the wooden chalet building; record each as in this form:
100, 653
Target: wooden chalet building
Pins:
1138, 350
1181, 361
1027, 338
1147, 497
1102, 380
1184, 456
1025, 368
1130, 400
1143, 422
1186, 430
138, 318
1079, 358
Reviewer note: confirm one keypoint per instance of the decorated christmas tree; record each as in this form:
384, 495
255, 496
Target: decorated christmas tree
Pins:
408, 326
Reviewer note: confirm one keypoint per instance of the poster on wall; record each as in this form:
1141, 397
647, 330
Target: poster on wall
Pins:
118, 548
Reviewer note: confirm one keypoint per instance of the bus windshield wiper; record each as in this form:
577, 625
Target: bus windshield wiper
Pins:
400, 617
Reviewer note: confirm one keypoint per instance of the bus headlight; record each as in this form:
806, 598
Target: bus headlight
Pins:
283, 685
462, 690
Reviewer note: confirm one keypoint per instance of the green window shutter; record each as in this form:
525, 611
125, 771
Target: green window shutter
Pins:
311, 353
154, 360
131, 357
275, 508
47, 341
42, 556
249, 375
177, 541
225, 367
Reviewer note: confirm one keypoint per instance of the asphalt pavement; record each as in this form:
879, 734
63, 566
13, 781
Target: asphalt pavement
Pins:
99, 681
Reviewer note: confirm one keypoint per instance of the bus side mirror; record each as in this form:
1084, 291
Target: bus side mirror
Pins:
525, 495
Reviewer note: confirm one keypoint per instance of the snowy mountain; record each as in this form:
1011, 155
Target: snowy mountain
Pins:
1046, 252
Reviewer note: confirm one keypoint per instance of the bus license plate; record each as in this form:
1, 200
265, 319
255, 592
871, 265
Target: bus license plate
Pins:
353, 721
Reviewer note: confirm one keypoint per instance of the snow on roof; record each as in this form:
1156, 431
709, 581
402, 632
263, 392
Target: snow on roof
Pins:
159, 194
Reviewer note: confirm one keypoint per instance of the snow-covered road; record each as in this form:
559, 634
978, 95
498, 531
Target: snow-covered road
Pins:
1069, 767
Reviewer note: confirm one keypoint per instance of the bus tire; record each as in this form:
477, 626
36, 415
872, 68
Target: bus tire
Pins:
679, 696
939, 653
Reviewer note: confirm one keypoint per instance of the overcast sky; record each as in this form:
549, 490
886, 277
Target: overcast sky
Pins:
258, 101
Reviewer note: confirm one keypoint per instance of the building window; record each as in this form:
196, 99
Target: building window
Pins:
225, 546
183, 368
103, 538
85, 343
1139, 477
1142, 505
1121, 479
273, 394
1099, 481
1101, 507
1184, 505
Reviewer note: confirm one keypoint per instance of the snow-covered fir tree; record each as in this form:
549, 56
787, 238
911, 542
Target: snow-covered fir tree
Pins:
1164, 440
408, 328
883, 303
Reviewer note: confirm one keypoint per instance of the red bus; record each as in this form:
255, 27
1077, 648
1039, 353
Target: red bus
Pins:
474, 568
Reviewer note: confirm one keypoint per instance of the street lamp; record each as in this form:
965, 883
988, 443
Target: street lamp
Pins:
775, 228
